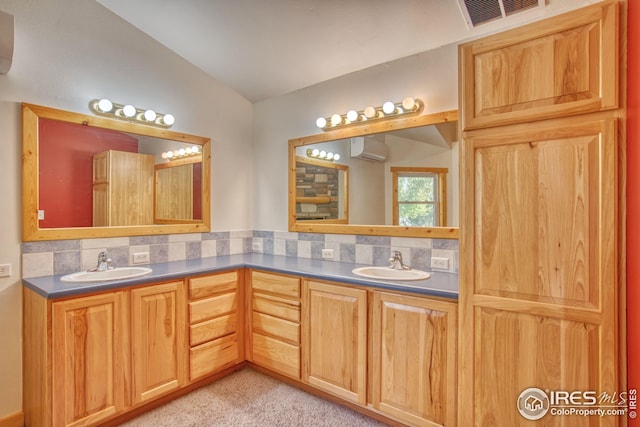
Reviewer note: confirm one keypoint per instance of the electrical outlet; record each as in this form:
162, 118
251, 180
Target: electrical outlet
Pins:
5, 270
141, 258
440, 263
327, 254
257, 247
41, 214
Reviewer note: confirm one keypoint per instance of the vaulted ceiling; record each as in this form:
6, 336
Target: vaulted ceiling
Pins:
267, 48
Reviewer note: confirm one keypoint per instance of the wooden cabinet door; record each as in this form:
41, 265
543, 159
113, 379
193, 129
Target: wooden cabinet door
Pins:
335, 339
159, 342
89, 370
562, 66
413, 369
539, 280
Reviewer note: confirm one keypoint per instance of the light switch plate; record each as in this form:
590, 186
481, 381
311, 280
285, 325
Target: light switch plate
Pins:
5, 270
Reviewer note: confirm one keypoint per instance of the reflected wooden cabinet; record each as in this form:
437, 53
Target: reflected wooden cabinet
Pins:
159, 348
413, 353
274, 318
122, 188
540, 236
335, 339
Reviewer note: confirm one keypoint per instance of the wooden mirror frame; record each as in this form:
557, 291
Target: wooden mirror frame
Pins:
31, 114
360, 130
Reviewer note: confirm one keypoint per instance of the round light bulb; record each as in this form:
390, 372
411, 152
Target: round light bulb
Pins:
182, 152
336, 119
150, 115
195, 149
104, 105
129, 110
352, 115
336, 156
188, 150
369, 112
315, 152
164, 155
169, 154
168, 119
408, 103
323, 154
321, 122
329, 156
388, 107
176, 153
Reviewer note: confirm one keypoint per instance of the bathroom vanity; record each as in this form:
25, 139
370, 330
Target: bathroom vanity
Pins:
98, 353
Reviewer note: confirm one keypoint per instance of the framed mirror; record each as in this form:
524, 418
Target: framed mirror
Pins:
88, 177
402, 178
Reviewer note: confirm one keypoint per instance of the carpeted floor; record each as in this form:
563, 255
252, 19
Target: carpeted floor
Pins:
249, 398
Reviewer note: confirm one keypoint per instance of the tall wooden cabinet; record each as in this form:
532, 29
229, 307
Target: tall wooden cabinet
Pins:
539, 281
122, 188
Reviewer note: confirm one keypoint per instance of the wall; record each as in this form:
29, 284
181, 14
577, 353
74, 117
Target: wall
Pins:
68, 52
430, 76
633, 199
65, 169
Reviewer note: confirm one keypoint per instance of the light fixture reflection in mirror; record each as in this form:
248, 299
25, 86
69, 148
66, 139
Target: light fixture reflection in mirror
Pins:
370, 182
77, 159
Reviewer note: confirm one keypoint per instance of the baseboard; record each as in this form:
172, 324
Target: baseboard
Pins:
14, 420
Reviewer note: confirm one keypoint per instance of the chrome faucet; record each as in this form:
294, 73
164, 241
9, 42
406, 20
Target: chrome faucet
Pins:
104, 263
396, 262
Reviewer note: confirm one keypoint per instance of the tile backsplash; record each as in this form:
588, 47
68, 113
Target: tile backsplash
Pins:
67, 256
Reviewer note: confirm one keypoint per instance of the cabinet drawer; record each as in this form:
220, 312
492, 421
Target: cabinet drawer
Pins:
285, 286
275, 306
213, 356
212, 307
288, 331
276, 355
212, 329
201, 287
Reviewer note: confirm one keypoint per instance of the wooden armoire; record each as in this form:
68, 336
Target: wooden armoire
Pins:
541, 294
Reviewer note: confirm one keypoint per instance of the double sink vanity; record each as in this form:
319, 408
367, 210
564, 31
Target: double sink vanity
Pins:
103, 346
385, 347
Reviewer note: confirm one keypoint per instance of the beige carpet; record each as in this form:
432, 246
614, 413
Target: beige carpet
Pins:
249, 398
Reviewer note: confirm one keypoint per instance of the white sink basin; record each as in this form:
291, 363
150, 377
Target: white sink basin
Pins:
386, 273
99, 276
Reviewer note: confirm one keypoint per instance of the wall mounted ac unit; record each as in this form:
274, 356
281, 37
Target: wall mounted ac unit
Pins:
6, 42
367, 148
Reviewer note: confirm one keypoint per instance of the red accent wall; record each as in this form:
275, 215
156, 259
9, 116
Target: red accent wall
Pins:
633, 198
66, 169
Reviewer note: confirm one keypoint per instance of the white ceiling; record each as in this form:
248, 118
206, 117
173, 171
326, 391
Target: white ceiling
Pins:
267, 48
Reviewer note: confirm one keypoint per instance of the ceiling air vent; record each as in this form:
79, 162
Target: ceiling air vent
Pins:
478, 12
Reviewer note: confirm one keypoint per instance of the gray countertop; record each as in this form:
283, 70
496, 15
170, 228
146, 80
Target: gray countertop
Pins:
440, 284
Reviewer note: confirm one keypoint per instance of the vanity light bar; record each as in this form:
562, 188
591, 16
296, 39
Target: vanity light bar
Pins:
328, 156
129, 113
181, 153
388, 110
